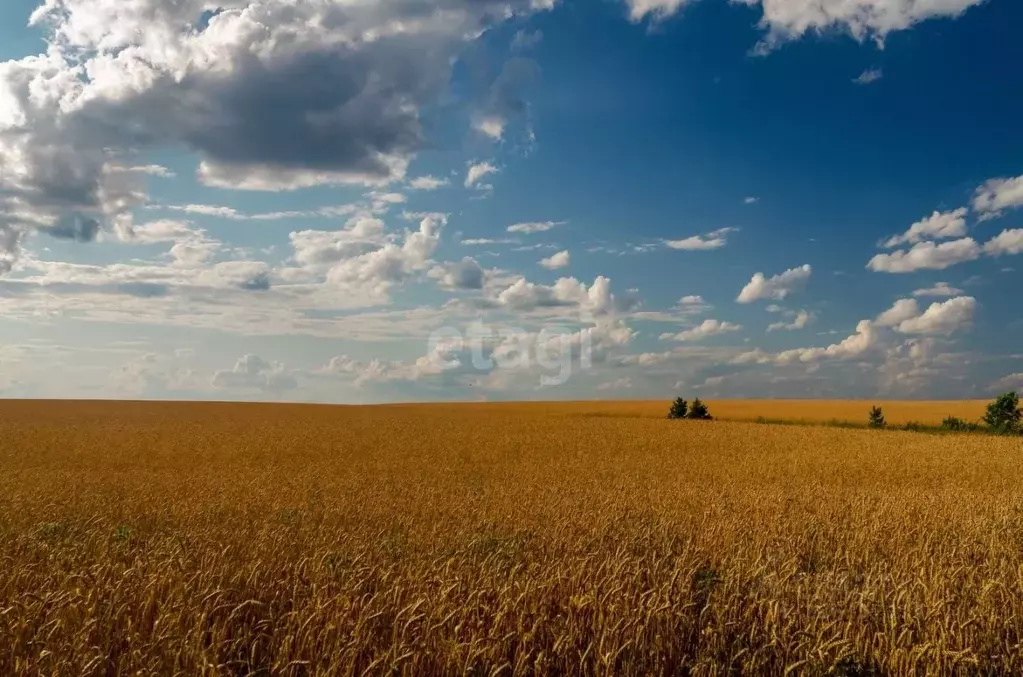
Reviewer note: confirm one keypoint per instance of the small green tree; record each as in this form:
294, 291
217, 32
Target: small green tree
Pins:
679, 408
698, 411
1003, 415
954, 424
876, 418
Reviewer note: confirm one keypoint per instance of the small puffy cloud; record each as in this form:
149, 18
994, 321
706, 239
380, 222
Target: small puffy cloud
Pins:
868, 76
712, 240
902, 310
566, 292
490, 126
624, 383
786, 20
249, 275
534, 227
380, 200
775, 288
941, 318
937, 226
150, 170
800, 321
1006, 242
527, 39
655, 9
480, 241
193, 253
940, 289
855, 345
390, 264
704, 330
361, 257
926, 256
752, 200
683, 311
997, 195
208, 210
319, 249
556, 261
251, 372
428, 183
1010, 382
477, 172
465, 274
164, 230
694, 304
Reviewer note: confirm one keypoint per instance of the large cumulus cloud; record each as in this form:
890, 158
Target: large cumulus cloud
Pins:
269, 94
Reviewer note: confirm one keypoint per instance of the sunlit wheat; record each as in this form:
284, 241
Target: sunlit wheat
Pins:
197, 539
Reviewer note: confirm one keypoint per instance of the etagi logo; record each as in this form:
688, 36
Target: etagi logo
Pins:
556, 350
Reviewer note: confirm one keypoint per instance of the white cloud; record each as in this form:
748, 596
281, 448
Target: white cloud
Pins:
465, 274
193, 253
624, 383
164, 230
1006, 242
1010, 382
683, 311
868, 76
151, 170
320, 249
252, 372
534, 227
776, 288
997, 195
902, 310
751, 200
712, 240
375, 272
940, 289
121, 78
800, 321
381, 200
207, 210
656, 9
480, 241
926, 256
477, 172
527, 40
787, 20
490, 126
566, 292
233, 214
704, 330
941, 318
556, 261
938, 226
428, 183
855, 345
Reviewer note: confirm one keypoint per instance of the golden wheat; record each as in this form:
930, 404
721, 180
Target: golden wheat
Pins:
809, 411
585, 538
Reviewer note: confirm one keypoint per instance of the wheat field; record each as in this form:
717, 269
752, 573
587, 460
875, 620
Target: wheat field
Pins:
806, 411
581, 538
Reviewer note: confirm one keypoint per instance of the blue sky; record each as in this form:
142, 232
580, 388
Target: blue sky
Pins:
364, 202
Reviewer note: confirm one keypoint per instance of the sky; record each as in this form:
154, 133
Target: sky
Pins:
356, 202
